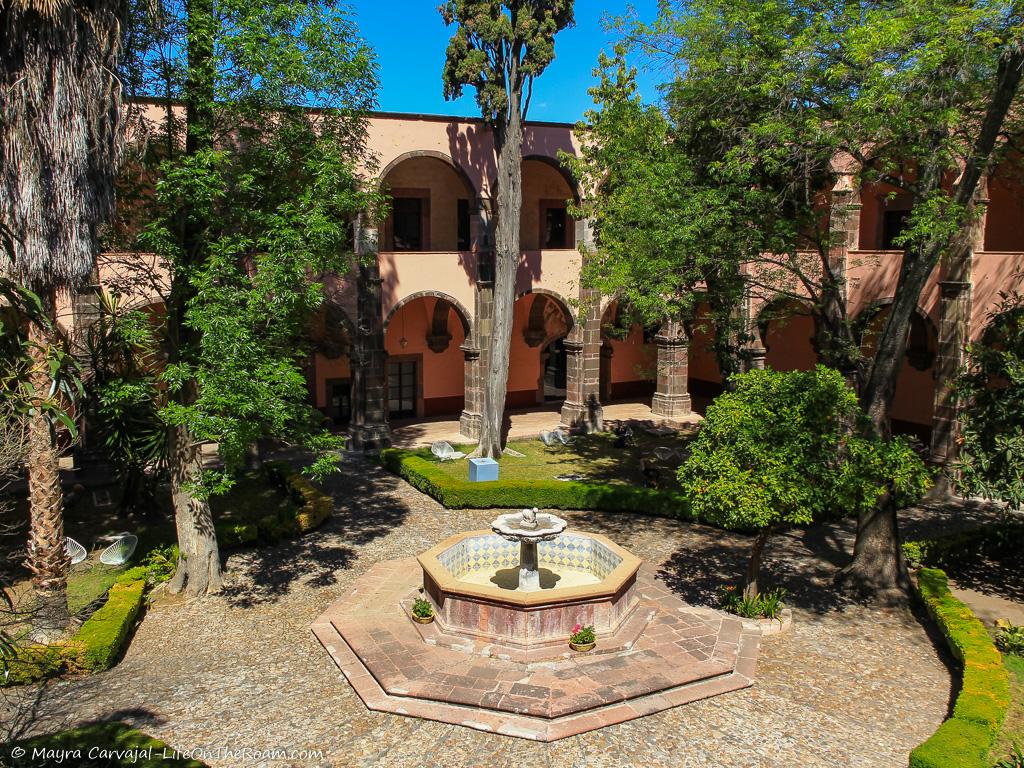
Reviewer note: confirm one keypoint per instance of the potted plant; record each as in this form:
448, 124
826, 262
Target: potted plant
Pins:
582, 638
422, 611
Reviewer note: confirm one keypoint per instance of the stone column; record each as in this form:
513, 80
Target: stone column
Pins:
582, 406
754, 352
954, 332
476, 349
672, 397
369, 430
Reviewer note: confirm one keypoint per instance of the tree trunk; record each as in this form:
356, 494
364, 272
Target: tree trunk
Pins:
198, 571
509, 142
878, 567
751, 589
47, 559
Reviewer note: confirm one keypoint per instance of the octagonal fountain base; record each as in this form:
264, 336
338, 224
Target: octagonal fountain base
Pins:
664, 654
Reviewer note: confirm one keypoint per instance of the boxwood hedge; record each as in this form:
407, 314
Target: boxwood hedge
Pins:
425, 475
964, 740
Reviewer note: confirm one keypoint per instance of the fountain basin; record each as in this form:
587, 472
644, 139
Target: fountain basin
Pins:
585, 579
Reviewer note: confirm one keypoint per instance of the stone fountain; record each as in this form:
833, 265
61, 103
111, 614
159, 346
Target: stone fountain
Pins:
496, 657
529, 528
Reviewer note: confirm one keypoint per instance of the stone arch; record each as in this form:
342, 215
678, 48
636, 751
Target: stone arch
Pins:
461, 312
558, 300
446, 159
564, 172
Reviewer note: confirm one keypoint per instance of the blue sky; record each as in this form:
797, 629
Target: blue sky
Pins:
410, 38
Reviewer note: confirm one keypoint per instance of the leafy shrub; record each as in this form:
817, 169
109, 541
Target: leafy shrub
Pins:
315, 506
157, 567
764, 605
426, 476
963, 741
422, 608
1010, 639
790, 448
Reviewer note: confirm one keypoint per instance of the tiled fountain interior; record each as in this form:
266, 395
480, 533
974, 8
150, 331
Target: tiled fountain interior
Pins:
569, 552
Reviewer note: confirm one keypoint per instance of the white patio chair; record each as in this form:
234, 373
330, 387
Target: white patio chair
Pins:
445, 452
563, 437
120, 551
664, 453
75, 551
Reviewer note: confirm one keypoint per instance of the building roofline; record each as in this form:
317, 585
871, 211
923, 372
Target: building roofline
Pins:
388, 115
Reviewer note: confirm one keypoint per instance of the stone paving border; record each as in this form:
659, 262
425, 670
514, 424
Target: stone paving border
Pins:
682, 654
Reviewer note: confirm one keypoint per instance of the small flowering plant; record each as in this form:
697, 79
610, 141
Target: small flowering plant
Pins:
422, 608
582, 635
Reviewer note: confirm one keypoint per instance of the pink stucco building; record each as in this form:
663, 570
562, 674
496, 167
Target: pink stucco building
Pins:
406, 336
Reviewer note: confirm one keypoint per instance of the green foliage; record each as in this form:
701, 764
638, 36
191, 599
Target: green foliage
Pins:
499, 47
764, 605
253, 201
427, 476
991, 393
314, 506
964, 740
422, 608
787, 449
126, 745
19, 307
1010, 640
156, 568
583, 635
1014, 760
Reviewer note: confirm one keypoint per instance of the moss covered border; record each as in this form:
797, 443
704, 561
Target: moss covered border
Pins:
964, 740
93, 648
424, 475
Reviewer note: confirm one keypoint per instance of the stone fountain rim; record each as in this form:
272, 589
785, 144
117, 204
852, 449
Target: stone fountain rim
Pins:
611, 585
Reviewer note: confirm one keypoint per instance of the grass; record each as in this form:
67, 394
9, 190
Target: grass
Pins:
1013, 727
251, 498
611, 478
88, 581
594, 456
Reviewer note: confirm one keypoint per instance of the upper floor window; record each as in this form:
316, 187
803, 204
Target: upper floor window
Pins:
894, 223
556, 228
407, 218
463, 225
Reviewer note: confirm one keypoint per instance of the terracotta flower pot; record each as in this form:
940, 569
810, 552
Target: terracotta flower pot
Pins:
582, 647
422, 619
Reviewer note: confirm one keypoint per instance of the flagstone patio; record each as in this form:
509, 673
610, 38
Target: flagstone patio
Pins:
848, 686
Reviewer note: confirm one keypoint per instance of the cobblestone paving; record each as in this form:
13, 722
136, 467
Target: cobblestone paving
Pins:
849, 686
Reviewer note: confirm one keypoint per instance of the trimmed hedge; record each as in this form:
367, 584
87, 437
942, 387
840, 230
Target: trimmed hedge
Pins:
94, 647
425, 475
964, 740
97, 643
313, 506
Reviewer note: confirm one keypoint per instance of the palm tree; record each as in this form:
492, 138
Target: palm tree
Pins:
60, 104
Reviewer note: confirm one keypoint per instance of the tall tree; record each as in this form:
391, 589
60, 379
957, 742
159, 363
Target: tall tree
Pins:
254, 198
914, 94
499, 48
60, 103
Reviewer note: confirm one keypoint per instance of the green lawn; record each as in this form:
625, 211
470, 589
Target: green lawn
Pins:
1013, 727
593, 456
